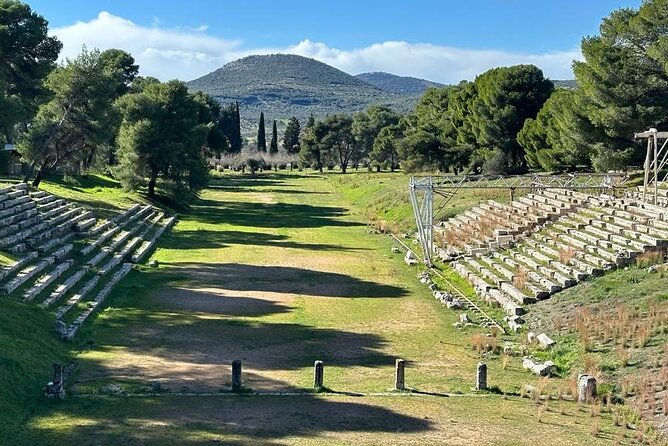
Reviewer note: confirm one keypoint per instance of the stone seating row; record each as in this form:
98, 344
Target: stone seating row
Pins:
73, 328
607, 233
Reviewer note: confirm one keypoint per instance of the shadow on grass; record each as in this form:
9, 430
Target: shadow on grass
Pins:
283, 279
269, 215
238, 420
205, 239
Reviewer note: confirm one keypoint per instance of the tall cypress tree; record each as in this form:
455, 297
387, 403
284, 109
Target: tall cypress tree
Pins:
238, 140
261, 138
273, 145
291, 136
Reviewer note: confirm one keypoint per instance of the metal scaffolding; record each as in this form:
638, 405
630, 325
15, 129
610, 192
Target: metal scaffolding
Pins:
422, 190
655, 160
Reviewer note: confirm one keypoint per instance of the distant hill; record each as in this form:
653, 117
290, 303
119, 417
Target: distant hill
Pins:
284, 85
402, 85
570, 84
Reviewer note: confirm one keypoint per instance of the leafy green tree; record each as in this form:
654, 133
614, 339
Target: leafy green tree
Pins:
366, 127
76, 120
384, 153
430, 136
291, 136
335, 136
27, 56
209, 113
624, 77
504, 98
273, 144
261, 137
163, 134
554, 140
230, 125
309, 146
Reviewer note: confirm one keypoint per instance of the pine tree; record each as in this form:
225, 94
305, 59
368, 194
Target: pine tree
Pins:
273, 145
291, 136
261, 138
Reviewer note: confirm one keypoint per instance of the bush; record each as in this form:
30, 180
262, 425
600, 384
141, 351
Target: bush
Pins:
605, 159
498, 163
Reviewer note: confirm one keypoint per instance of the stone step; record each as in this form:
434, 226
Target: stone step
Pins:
97, 301
43, 282
64, 287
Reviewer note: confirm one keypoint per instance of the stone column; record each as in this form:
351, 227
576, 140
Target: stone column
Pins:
236, 376
586, 388
318, 374
481, 377
399, 381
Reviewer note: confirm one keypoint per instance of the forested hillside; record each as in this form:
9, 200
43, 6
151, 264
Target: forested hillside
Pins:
285, 85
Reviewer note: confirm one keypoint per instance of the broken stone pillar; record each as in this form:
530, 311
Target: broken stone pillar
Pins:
55, 389
399, 381
318, 374
586, 388
236, 376
481, 377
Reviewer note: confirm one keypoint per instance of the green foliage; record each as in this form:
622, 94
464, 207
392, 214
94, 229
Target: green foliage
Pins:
384, 153
335, 136
624, 74
504, 98
554, 140
430, 135
273, 144
27, 56
291, 136
309, 151
366, 127
261, 137
230, 127
163, 133
78, 119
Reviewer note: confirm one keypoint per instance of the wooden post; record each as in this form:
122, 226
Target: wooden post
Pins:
318, 375
481, 377
236, 376
399, 381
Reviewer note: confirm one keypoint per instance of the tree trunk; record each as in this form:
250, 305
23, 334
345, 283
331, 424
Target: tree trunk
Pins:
29, 172
151, 184
39, 176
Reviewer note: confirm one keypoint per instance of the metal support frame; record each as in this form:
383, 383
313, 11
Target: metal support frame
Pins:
655, 161
422, 190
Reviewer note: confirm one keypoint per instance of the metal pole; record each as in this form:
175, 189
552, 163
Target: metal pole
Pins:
656, 170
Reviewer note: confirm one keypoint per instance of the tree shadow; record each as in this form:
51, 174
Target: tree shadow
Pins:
206, 239
284, 279
269, 215
238, 420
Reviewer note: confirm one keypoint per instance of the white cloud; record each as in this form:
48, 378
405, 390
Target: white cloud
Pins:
187, 53
161, 52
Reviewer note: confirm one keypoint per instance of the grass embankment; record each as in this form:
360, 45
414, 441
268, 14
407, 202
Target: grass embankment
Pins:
385, 201
27, 335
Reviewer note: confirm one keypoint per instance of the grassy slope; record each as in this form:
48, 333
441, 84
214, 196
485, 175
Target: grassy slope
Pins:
384, 198
269, 225
28, 340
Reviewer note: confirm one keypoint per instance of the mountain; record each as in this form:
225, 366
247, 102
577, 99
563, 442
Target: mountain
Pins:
284, 85
570, 84
392, 83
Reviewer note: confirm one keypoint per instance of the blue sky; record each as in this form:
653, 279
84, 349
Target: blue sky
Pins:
441, 40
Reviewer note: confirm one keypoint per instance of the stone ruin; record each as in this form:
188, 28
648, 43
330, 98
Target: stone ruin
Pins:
67, 256
516, 254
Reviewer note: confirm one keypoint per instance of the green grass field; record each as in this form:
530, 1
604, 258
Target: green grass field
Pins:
277, 271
